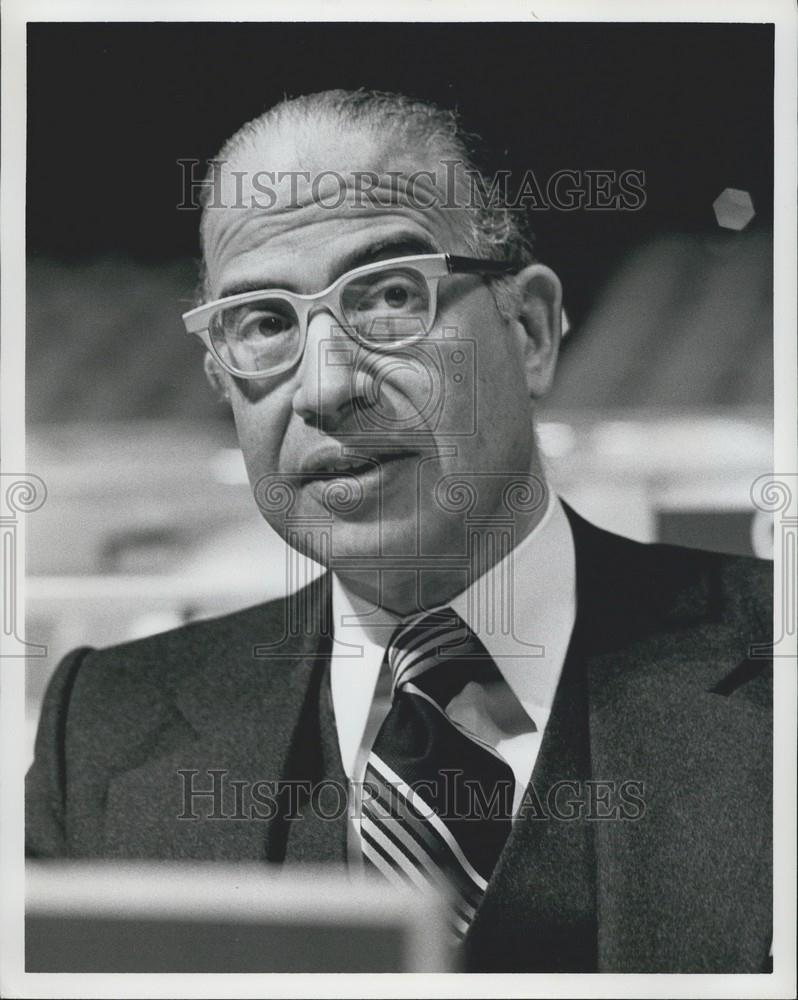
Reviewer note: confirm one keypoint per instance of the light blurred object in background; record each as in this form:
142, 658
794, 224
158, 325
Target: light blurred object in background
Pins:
733, 208
107, 917
684, 324
105, 342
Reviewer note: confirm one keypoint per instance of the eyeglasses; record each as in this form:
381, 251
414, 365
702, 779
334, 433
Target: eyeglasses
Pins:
382, 306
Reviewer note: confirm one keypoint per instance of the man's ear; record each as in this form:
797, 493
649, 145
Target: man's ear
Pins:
215, 376
538, 323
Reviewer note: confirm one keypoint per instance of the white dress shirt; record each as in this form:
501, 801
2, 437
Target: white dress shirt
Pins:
523, 610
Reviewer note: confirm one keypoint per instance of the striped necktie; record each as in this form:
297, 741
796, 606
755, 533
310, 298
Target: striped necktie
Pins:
437, 801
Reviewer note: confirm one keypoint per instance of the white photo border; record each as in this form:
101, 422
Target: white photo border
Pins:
14, 981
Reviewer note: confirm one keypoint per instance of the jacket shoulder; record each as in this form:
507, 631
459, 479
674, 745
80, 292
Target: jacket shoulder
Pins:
132, 687
107, 710
167, 657
706, 614
675, 582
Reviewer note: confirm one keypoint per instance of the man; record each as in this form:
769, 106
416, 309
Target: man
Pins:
564, 731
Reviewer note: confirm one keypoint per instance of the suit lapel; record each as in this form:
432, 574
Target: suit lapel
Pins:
319, 833
539, 911
682, 883
240, 715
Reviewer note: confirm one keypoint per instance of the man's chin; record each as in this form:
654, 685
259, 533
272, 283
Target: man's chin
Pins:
372, 543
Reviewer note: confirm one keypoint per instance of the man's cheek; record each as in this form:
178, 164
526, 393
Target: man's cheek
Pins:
260, 425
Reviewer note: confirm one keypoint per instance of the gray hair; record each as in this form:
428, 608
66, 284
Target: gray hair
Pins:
490, 229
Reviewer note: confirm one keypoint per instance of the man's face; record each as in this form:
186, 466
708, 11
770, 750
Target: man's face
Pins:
455, 405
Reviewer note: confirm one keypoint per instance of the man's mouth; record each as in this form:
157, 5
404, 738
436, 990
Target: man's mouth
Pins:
327, 466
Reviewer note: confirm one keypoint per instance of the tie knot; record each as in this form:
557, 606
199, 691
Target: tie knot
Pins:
432, 640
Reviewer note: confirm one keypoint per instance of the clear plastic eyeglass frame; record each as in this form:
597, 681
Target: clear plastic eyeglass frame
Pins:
431, 267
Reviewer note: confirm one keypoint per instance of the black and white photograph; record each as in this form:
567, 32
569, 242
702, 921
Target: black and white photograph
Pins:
400, 500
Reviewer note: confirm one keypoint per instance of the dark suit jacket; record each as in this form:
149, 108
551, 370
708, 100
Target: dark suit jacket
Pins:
664, 691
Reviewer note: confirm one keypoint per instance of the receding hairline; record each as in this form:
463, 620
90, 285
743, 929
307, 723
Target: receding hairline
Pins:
369, 111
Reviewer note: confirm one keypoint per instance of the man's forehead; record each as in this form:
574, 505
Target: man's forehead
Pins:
288, 166
320, 145
289, 188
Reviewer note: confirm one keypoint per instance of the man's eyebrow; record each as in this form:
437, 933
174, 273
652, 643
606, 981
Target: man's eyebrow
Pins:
396, 245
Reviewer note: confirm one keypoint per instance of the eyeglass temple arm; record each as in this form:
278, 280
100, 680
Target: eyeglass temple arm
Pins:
478, 265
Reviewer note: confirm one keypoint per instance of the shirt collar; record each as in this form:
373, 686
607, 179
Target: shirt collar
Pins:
523, 609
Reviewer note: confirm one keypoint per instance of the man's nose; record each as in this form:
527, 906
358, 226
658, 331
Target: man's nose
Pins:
326, 392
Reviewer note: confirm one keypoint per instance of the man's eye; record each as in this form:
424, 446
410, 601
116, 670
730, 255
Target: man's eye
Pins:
386, 295
396, 296
264, 324
272, 324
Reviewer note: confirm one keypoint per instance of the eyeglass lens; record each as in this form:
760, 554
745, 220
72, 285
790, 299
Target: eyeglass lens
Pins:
380, 307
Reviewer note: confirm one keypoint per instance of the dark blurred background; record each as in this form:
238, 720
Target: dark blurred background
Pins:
661, 415
113, 107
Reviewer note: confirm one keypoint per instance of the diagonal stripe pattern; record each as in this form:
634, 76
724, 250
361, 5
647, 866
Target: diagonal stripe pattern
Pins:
437, 803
